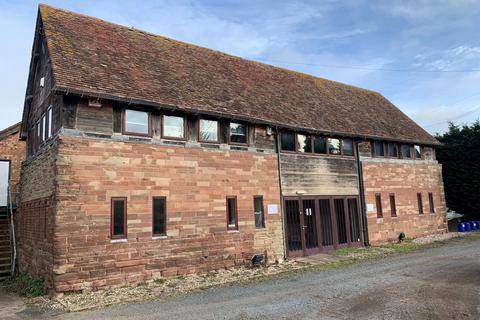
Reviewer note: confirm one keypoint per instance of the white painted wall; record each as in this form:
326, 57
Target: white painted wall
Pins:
4, 174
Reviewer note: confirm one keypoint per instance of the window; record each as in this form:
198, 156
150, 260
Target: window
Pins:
44, 126
333, 146
392, 150
208, 130
159, 216
378, 149
119, 218
232, 219
430, 202
137, 122
258, 212
39, 132
420, 203
347, 147
238, 133
418, 152
304, 143
173, 127
288, 141
319, 145
393, 205
406, 151
378, 200
50, 122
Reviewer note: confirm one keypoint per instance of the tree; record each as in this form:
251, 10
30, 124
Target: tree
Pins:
459, 155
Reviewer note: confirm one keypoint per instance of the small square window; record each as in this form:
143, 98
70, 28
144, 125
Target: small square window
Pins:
288, 141
406, 154
392, 150
304, 143
320, 145
173, 127
378, 147
418, 152
347, 147
333, 146
238, 133
137, 122
208, 130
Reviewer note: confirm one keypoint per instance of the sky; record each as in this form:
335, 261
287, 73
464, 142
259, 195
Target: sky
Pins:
424, 56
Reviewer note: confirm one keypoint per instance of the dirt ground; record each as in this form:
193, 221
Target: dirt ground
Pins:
442, 282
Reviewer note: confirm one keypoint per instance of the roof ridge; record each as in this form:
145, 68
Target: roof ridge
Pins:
283, 69
10, 130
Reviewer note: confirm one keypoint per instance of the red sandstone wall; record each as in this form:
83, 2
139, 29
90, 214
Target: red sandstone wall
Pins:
11, 148
404, 179
195, 182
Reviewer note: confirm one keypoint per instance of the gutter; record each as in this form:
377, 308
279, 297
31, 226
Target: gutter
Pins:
363, 213
280, 182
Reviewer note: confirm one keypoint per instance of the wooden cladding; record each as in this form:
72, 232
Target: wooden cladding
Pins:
314, 144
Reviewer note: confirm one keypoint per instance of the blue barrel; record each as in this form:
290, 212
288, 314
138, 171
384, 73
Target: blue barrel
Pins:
474, 225
468, 226
478, 224
461, 227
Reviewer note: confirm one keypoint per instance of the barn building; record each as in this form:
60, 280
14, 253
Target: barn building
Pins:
150, 157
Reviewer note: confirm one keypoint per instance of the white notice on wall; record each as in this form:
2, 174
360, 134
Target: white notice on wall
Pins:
370, 207
272, 209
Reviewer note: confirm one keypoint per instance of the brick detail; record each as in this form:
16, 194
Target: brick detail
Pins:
404, 179
34, 238
11, 148
195, 182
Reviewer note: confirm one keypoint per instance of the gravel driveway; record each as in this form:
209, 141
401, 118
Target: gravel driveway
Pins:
437, 283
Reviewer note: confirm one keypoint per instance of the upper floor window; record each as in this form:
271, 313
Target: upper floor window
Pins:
417, 151
137, 122
379, 149
208, 130
288, 141
304, 143
334, 146
39, 131
405, 149
319, 144
50, 122
238, 133
173, 127
347, 147
392, 150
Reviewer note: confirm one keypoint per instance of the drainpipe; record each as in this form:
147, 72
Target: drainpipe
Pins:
12, 233
364, 223
280, 182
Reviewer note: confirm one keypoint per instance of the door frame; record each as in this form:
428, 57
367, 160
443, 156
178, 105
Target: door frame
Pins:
320, 248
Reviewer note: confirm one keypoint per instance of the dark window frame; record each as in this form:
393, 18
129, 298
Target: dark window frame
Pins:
340, 147
431, 203
374, 150
388, 144
262, 213
409, 149
393, 205
420, 203
198, 130
164, 234
124, 124
378, 204
415, 153
306, 136
162, 125
235, 212
314, 137
247, 134
294, 141
124, 234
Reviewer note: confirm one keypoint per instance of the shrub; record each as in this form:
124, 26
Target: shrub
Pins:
26, 285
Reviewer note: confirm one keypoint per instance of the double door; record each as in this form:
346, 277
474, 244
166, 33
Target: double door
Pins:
317, 224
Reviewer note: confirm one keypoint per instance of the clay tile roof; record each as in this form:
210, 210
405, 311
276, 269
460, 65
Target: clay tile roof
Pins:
13, 129
95, 57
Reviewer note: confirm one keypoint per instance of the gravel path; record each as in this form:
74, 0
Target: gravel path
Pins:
437, 283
